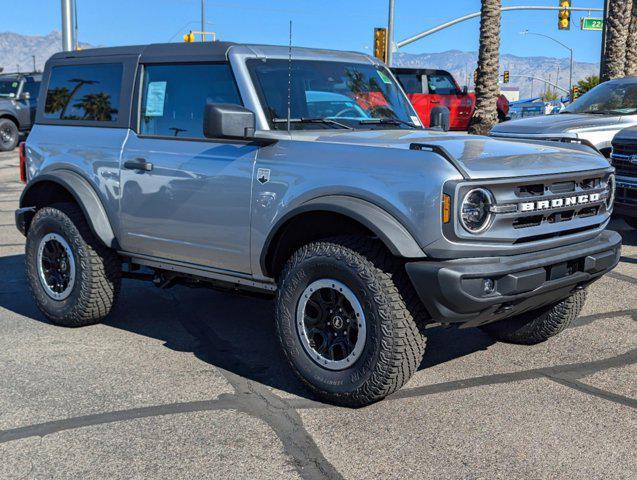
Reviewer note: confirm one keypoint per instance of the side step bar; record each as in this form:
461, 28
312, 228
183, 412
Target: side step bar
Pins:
232, 278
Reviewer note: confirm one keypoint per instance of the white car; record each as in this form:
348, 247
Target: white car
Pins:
594, 117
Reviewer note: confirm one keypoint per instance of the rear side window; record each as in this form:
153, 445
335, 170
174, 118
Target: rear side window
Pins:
411, 82
174, 97
88, 93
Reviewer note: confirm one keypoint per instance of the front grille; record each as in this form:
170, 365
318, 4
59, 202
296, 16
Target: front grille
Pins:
621, 158
541, 208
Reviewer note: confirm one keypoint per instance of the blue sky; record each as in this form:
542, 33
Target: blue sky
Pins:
338, 24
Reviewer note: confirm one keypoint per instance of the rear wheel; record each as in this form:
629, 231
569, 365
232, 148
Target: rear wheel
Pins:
9, 135
539, 325
73, 277
346, 318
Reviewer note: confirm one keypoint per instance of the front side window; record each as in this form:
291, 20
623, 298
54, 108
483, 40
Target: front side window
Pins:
607, 99
174, 97
88, 93
32, 88
441, 84
328, 94
9, 87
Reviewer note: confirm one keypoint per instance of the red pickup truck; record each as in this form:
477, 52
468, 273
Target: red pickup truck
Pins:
428, 88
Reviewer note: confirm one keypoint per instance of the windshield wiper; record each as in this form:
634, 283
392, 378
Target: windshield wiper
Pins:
386, 121
325, 121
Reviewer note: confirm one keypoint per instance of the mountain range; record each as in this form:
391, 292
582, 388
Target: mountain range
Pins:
18, 51
462, 65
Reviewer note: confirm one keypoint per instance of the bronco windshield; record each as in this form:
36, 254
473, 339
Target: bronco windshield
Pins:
9, 88
607, 99
326, 94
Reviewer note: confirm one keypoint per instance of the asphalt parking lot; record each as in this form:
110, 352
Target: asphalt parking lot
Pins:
190, 383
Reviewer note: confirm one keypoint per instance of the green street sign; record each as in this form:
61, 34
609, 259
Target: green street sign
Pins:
595, 24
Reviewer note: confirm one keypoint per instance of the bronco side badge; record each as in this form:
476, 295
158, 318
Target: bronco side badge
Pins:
263, 175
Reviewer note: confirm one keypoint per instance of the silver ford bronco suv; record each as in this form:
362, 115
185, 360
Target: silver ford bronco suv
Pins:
303, 174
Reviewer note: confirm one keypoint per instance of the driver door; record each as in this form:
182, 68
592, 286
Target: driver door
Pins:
186, 197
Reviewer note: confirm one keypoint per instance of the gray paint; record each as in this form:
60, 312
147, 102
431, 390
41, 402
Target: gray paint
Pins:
203, 206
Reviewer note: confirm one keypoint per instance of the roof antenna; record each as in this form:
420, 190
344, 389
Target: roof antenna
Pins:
289, 76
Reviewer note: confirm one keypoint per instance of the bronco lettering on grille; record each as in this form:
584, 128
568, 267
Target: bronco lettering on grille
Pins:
560, 202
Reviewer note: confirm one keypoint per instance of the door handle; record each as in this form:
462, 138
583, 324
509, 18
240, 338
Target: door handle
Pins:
138, 164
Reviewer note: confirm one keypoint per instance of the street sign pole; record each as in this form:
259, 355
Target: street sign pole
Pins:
390, 33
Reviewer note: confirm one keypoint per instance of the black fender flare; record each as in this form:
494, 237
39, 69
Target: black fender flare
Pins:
385, 226
85, 196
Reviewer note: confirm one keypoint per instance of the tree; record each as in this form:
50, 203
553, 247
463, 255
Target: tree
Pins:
617, 22
486, 113
630, 67
586, 84
549, 95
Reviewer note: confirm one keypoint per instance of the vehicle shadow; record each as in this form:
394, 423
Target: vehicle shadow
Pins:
229, 331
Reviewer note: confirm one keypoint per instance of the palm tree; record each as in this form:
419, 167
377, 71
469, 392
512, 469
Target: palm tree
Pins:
486, 113
617, 22
630, 68
587, 83
96, 106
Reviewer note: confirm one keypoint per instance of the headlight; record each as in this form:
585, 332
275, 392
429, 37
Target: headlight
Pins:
475, 210
610, 199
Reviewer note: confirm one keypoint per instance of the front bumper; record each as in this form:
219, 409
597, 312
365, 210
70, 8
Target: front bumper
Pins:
452, 291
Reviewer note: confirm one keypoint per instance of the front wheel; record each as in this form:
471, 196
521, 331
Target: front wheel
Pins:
73, 277
346, 318
539, 325
9, 135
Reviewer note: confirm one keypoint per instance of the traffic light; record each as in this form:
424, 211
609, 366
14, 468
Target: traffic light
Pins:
564, 15
189, 37
380, 44
505, 76
575, 93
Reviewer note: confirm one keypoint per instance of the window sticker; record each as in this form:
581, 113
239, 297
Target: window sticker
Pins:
155, 97
383, 76
14, 84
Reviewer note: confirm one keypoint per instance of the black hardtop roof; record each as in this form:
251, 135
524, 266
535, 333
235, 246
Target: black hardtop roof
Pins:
183, 51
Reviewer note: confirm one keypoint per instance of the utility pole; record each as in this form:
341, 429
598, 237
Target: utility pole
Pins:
570, 51
390, 33
203, 20
34, 69
67, 25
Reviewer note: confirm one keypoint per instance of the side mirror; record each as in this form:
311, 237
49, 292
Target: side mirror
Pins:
25, 96
224, 120
465, 90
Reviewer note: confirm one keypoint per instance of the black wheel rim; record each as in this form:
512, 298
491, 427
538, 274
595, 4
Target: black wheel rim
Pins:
56, 266
7, 135
331, 324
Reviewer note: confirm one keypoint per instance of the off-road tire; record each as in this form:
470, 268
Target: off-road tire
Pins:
393, 312
539, 325
98, 268
12, 129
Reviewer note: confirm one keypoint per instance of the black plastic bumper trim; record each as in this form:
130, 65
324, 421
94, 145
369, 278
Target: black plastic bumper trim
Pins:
452, 290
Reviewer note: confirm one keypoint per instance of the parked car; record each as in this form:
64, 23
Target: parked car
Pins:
594, 117
18, 99
209, 164
624, 159
428, 88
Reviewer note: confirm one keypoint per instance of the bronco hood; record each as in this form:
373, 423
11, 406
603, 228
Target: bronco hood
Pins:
556, 124
475, 156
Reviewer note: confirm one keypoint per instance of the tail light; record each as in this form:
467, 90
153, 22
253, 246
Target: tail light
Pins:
23, 162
